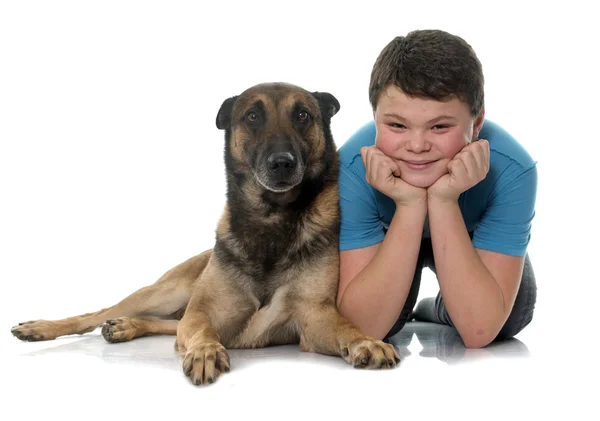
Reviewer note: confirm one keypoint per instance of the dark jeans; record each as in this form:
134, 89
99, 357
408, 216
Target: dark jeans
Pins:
433, 309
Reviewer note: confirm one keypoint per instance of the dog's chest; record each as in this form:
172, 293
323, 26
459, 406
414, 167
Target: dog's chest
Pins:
274, 243
269, 321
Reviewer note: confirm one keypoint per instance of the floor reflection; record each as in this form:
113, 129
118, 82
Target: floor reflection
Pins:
154, 350
444, 343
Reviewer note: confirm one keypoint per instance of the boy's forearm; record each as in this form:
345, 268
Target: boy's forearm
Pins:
472, 296
374, 299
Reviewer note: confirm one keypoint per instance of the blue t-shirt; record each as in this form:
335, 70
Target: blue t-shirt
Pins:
498, 211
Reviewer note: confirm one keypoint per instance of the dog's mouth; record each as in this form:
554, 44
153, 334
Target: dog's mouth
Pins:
280, 172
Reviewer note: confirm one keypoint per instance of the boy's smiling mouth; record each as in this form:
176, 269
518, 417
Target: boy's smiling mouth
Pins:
418, 164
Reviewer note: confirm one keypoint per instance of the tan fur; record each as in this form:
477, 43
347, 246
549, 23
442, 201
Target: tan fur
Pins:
211, 303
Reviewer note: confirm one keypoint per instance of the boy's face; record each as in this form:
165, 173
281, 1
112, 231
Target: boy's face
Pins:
423, 135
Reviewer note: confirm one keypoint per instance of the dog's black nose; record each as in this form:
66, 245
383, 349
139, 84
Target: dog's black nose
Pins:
281, 163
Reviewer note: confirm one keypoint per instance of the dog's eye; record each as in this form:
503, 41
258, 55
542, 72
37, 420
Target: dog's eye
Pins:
303, 116
252, 117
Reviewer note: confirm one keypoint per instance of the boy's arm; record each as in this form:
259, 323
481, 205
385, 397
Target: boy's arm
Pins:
479, 280
375, 280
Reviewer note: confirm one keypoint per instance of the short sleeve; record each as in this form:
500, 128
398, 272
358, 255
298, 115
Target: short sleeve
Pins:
361, 225
505, 226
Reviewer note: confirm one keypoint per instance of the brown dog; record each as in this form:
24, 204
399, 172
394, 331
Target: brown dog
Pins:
272, 275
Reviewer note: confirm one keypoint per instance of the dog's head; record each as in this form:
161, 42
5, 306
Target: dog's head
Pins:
278, 133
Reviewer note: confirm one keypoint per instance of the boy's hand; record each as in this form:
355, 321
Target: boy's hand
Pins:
468, 168
383, 173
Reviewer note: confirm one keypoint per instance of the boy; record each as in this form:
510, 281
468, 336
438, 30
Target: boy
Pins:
431, 183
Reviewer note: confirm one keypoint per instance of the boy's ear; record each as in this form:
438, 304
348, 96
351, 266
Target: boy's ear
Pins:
224, 114
479, 120
328, 103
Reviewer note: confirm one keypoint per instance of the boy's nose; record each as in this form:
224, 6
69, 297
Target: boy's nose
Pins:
418, 143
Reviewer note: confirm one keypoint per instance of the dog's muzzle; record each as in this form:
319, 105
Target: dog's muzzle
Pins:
279, 170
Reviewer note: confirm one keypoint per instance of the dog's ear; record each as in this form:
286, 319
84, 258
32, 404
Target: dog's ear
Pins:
224, 114
329, 104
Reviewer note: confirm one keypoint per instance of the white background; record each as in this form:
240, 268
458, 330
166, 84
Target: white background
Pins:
111, 165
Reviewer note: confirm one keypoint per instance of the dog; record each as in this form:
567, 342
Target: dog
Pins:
271, 277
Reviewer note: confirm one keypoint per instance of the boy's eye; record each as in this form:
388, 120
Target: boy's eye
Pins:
397, 125
440, 126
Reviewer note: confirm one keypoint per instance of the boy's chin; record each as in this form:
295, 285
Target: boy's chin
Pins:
422, 181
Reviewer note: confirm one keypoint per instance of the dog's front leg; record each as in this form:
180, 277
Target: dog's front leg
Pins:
204, 357
324, 330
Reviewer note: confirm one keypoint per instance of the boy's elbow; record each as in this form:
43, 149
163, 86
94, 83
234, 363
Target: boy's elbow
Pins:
476, 340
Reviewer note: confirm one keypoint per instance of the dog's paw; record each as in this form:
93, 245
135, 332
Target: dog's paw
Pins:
371, 353
121, 329
35, 330
204, 363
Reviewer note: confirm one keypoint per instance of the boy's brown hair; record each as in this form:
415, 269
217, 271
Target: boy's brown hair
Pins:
432, 64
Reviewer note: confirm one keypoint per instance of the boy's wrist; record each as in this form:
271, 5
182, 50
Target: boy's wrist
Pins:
414, 210
434, 201
419, 202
